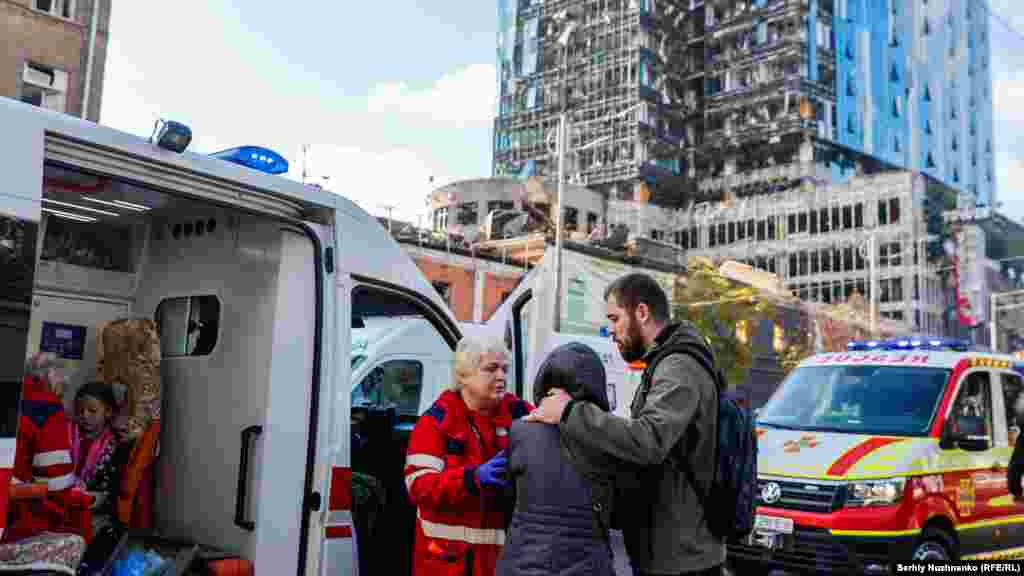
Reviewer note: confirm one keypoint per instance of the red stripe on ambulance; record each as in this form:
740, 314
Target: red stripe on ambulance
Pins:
341, 489
335, 532
854, 455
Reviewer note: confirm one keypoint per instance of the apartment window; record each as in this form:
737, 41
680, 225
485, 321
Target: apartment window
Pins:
44, 87
896, 145
897, 106
883, 213
858, 216
572, 218
927, 28
927, 93
499, 205
894, 210
467, 214
59, 8
955, 145
592, 220
894, 73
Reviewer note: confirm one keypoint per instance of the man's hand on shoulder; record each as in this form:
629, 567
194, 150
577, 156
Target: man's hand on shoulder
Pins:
551, 407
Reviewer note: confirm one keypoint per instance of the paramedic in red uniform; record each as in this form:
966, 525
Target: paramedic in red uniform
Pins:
43, 452
455, 469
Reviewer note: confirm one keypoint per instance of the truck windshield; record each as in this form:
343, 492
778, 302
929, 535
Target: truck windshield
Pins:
895, 400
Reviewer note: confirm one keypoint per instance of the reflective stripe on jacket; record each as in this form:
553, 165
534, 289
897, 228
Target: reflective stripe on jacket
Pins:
458, 522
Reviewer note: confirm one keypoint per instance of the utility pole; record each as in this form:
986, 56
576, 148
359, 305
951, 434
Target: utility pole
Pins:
305, 167
388, 208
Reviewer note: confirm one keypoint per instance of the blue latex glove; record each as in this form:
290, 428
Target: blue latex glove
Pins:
492, 472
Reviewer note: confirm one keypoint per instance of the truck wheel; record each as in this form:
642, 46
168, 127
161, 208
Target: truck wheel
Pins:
934, 546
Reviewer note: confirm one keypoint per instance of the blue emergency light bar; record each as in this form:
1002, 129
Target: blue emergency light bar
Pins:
255, 157
909, 343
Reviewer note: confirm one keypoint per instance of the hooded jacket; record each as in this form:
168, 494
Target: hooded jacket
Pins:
563, 490
666, 448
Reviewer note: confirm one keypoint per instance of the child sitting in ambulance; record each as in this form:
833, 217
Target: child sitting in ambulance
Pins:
98, 459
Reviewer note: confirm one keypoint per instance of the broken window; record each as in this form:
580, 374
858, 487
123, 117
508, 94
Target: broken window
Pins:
467, 214
59, 8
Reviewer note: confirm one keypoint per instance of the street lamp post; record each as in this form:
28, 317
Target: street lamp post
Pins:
563, 133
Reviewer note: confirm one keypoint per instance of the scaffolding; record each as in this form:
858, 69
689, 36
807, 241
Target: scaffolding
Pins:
619, 79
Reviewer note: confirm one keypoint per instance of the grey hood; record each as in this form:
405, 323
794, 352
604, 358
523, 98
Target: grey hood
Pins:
578, 370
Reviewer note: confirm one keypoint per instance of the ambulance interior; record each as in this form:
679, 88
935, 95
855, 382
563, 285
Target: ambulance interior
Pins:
400, 363
234, 296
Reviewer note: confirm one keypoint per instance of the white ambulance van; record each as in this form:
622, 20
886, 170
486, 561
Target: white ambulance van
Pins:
260, 286
894, 451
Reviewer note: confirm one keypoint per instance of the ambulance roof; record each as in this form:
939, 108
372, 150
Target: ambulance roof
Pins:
919, 358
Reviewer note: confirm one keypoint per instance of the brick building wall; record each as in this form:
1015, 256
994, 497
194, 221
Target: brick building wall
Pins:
33, 36
474, 287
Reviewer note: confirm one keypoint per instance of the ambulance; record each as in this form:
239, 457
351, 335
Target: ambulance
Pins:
892, 451
258, 284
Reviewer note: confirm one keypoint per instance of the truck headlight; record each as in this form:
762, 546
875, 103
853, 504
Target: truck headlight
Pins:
875, 492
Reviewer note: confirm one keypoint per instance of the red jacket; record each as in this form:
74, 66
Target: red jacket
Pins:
457, 520
43, 454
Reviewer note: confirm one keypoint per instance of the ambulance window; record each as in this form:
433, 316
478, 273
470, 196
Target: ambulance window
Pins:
188, 325
1011, 394
396, 383
17, 276
975, 399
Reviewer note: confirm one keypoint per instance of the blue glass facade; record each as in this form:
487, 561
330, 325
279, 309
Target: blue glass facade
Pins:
913, 88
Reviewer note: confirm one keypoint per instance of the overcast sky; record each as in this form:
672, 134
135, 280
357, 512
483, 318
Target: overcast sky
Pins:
387, 94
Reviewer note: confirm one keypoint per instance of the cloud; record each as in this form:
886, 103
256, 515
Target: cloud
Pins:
376, 179
464, 98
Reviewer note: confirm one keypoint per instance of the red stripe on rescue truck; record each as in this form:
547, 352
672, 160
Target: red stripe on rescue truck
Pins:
334, 532
947, 399
854, 455
341, 489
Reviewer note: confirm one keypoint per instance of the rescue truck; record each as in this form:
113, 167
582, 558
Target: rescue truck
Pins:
895, 450
257, 282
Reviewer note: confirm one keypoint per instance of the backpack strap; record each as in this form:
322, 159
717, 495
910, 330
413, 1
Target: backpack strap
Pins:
645, 385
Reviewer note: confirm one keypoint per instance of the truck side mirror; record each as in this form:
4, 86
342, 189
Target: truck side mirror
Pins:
966, 433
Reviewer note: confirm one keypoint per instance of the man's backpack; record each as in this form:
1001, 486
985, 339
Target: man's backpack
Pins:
734, 484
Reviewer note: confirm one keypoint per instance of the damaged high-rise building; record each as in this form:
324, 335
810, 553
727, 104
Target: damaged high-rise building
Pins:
703, 99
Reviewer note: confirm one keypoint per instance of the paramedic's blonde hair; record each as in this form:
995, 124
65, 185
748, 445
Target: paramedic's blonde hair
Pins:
469, 353
47, 367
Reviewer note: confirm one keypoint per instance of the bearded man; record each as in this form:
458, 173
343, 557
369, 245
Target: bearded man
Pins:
667, 444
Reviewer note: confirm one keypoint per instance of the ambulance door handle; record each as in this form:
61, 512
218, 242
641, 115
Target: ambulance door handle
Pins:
241, 495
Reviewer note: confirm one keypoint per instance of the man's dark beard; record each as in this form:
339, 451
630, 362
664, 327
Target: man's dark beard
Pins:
633, 349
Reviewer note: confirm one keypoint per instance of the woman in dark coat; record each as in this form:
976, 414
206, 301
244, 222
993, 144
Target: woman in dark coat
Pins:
563, 494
